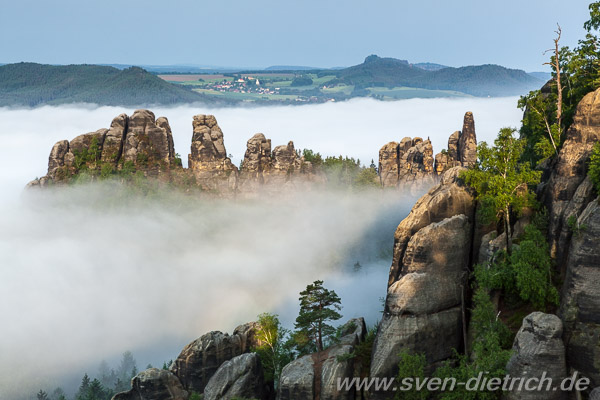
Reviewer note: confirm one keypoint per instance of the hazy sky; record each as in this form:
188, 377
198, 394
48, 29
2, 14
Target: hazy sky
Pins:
324, 33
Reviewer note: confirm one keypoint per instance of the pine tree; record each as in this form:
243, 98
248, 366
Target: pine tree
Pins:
318, 306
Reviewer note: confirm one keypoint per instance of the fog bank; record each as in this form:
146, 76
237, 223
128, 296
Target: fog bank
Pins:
88, 272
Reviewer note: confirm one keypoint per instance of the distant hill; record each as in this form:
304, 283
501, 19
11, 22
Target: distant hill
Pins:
481, 80
430, 66
32, 84
543, 76
290, 68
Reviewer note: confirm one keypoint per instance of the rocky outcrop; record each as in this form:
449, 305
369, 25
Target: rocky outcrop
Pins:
467, 142
423, 306
407, 162
271, 171
462, 148
148, 141
538, 351
581, 296
201, 359
567, 191
411, 162
138, 142
432, 250
240, 377
208, 159
316, 375
447, 199
154, 384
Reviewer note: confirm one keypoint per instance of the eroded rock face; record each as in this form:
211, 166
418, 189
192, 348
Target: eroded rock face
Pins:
567, 192
462, 147
467, 142
148, 141
303, 378
200, 359
297, 380
113, 141
581, 296
208, 159
240, 377
154, 384
139, 141
446, 199
406, 164
538, 348
422, 310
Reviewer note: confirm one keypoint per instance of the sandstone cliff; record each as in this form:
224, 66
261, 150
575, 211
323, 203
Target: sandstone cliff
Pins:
411, 164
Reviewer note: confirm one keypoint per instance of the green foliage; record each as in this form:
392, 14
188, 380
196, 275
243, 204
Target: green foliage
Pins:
302, 80
580, 74
318, 306
526, 274
594, 167
366, 178
532, 267
343, 172
489, 355
177, 161
274, 351
574, 226
411, 366
196, 396
501, 182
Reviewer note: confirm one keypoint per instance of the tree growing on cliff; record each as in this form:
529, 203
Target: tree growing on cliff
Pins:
273, 350
501, 182
318, 306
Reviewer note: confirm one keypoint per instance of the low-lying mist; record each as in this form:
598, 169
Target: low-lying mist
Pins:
88, 272
91, 271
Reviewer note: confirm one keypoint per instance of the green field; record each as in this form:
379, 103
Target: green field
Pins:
281, 84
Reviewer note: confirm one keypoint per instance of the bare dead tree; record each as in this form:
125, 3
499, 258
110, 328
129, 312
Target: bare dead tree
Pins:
556, 65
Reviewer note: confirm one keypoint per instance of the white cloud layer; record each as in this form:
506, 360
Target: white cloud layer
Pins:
89, 272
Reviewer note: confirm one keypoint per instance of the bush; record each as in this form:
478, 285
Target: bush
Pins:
594, 167
526, 274
411, 366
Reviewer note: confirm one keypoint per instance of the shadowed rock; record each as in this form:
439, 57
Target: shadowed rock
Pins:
154, 384
538, 348
240, 377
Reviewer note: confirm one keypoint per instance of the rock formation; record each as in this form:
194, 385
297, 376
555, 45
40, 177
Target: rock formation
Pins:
154, 384
208, 159
140, 142
240, 377
538, 351
462, 148
407, 162
411, 162
201, 359
581, 296
567, 191
272, 171
316, 375
432, 246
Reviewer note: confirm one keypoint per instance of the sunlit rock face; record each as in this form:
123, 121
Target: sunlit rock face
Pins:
140, 142
200, 360
208, 160
410, 164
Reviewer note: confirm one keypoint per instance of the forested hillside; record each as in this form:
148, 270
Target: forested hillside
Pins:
32, 84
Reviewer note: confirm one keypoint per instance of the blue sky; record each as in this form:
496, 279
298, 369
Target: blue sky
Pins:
260, 33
